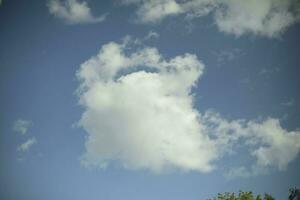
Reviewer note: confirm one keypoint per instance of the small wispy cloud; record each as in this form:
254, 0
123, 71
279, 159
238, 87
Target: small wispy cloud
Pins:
227, 55
245, 172
268, 71
238, 172
73, 12
288, 103
21, 126
24, 147
151, 35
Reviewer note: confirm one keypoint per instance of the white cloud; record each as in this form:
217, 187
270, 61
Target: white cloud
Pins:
278, 147
267, 18
21, 126
73, 11
139, 111
267, 141
144, 119
27, 145
155, 10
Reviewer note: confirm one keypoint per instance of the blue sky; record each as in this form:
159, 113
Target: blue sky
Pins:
149, 99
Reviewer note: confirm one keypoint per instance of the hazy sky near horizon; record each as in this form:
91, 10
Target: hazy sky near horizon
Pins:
157, 99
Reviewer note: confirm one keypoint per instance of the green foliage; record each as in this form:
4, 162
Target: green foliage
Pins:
241, 196
268, 197
294, 194
258, 197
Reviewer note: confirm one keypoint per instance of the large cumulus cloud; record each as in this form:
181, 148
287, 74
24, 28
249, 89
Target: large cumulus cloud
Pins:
143, 118
139, 111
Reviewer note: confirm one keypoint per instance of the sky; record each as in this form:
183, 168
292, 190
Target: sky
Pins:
148, 99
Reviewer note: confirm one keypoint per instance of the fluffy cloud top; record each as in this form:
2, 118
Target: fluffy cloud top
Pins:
73, 11
21, 126
267, 18
27, 145
139, 111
